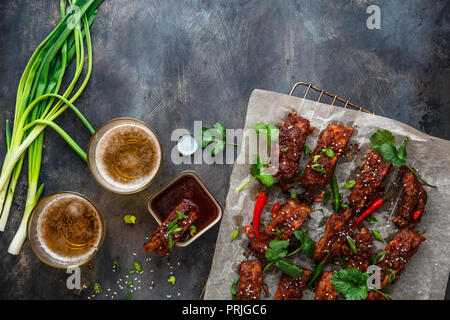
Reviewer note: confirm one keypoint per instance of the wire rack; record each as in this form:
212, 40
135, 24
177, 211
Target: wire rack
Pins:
309, 88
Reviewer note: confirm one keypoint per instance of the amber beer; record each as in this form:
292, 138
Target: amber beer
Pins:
125, 155
65, 229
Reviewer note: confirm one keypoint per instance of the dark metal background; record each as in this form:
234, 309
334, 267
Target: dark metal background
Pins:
171, 62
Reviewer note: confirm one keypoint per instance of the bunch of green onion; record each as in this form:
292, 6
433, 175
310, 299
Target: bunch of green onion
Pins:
39, 102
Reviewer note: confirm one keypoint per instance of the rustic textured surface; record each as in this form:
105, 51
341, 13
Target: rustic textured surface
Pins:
170, 63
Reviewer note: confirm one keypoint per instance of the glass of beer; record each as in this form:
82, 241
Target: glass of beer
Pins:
125, 155
65, 229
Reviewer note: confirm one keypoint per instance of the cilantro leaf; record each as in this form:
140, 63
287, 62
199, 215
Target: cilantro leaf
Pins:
387, 152
289, 269
277, 250
257, 170
351, 282
216, 135
217, 147
306, 242
382, 137
401, 152
205, 137
220, 128
269, 132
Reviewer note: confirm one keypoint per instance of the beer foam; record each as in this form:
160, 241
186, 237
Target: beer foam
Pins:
75, 206
112, 139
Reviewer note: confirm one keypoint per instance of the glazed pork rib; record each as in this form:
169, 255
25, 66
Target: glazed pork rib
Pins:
321, 166
291, 217
414, 199
361, 260
398, 252
368, 186
338, 227
292, 139
325, 288
290, 288
160, 238
363, 243
250, 280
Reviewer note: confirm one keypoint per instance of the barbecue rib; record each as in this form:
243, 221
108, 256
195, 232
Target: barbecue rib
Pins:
325, 288
290, 288
291, 217
413, 202
363, 243
336, 138
398, 252
292, 139
338, 227
367, 187
160, 238
250, 280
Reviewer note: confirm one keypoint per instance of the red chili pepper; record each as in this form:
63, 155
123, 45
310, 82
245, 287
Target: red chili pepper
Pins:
344, 249
260, 203
374, 206
249, 231
319, 197
275, 209
417, 214
369, 179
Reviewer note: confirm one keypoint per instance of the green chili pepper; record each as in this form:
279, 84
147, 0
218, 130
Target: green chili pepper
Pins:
315, 274
335, 188
352, 244
319, 269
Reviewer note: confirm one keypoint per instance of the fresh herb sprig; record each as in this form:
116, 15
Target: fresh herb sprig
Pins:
277, 251
352, 283
275, 254
216, 135
383, 142
259, 171
270, 133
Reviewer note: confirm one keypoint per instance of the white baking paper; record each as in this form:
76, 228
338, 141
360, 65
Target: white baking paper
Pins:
425, 275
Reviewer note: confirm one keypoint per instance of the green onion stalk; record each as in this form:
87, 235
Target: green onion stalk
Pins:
39, 103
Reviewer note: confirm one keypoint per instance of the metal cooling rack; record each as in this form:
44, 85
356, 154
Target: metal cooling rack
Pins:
322, 92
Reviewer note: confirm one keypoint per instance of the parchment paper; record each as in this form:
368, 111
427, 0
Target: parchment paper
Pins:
424, 276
